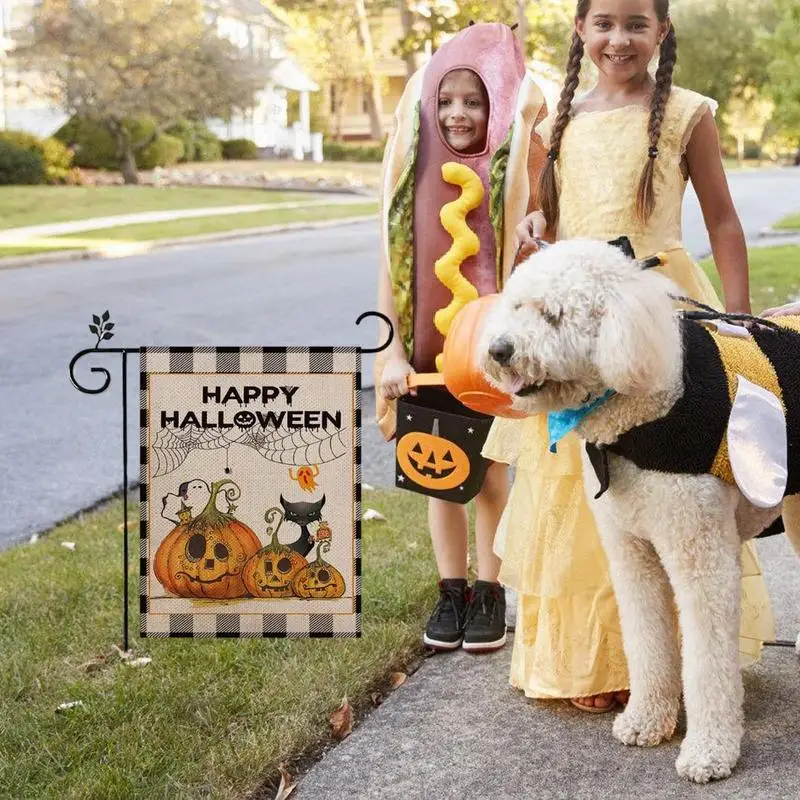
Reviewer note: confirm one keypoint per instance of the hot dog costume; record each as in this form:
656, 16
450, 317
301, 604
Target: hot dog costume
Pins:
434, 269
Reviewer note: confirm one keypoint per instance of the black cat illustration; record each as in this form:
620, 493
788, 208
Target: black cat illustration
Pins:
303, 514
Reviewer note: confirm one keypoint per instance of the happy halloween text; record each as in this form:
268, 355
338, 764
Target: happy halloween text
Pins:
247, 419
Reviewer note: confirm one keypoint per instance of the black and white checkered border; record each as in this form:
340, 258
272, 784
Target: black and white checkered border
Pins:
274, 360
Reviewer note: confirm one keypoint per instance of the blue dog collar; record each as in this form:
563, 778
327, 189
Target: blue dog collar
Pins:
560, 423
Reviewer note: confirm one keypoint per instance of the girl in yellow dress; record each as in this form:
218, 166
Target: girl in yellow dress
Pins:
619, 158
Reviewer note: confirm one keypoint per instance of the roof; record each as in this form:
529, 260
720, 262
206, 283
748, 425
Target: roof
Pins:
285, 72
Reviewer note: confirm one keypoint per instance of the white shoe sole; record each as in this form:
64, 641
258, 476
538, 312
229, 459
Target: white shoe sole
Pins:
484, 647
438, 645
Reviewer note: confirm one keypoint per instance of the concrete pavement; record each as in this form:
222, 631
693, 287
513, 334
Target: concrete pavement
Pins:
456, 730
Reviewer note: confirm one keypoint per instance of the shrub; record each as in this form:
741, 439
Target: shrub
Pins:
20, 166
96, 148
56, 158
239, 150
342, 151
207, 147
163, 151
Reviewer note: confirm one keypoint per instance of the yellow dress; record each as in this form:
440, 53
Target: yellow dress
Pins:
568, 641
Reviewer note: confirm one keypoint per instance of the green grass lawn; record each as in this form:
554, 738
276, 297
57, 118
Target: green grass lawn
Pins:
791, 222
175, 229
774, 275
207, 718
35, 205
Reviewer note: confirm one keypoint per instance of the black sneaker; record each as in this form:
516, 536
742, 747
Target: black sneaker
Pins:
485, 628
445, 628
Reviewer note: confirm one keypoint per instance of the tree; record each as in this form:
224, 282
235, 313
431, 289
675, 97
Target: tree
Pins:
746, 117
374, 101
324, 37
722, 46
784, 72
115, 61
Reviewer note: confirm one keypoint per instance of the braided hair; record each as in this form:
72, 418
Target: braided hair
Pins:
668, 53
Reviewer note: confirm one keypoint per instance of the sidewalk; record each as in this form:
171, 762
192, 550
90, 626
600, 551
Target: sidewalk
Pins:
456, 729
23, 234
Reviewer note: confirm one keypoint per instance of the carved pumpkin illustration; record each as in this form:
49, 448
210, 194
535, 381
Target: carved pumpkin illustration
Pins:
319, 579
431, 461
463, 376
270, 571
203, 557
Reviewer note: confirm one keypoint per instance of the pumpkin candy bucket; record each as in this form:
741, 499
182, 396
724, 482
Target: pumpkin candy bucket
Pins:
438, 451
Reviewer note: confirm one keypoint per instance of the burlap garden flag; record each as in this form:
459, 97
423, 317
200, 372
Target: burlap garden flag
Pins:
250, 519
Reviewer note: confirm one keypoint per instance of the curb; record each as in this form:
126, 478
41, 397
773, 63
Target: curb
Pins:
60, 256
777, 232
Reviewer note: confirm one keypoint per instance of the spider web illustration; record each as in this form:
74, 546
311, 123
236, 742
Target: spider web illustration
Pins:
298, 448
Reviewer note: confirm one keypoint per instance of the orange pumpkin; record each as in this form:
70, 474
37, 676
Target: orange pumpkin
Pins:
431, 461
270, 571
204, 556
463, 376
319, 580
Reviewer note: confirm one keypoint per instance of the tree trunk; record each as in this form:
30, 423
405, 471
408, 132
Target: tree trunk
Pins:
341, 97
374, 99
127, 165
407, 23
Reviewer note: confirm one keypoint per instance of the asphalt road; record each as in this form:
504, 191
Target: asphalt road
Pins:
60, 450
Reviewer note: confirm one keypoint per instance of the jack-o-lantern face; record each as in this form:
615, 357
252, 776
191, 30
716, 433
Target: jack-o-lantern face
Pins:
432, 462
319, 579
204, 557
270, 571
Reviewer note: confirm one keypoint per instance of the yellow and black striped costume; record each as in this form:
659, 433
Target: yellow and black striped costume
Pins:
691, 437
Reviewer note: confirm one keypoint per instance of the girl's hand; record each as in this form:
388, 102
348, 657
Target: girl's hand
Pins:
531, 229
790, 309
394, 379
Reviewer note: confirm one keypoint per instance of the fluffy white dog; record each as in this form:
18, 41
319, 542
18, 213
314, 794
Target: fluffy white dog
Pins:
574, 321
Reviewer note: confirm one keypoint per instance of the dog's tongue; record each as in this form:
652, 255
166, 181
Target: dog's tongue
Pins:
515, 384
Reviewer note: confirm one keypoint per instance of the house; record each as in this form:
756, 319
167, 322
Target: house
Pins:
252, 25
260, 30
393, 75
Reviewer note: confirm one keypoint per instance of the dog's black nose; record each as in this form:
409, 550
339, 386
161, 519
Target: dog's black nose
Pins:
501, 350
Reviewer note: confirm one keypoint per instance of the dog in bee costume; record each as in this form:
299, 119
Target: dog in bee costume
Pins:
692, 431
448, 217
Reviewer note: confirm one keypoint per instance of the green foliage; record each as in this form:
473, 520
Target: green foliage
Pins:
96, 147
56, 158
341, 151
199, 143
207, 147
20, 166
239, 150
163, 151
722, 46
784, 69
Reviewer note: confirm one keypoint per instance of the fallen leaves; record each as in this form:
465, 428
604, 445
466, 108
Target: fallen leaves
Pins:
287, 786
398, 679
342, 721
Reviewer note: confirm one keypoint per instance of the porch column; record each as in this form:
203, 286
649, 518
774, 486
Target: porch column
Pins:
305, 112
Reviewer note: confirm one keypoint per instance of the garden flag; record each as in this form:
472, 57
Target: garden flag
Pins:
250, 501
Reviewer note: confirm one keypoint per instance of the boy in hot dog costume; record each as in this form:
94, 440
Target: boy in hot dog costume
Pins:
458, 172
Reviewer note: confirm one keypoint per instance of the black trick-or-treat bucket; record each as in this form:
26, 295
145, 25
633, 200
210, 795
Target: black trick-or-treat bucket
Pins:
438, 445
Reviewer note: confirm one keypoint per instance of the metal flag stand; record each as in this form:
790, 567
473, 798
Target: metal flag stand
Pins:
102, 327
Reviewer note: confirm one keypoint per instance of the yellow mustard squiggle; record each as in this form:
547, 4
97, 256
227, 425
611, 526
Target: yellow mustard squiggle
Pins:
465, 243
